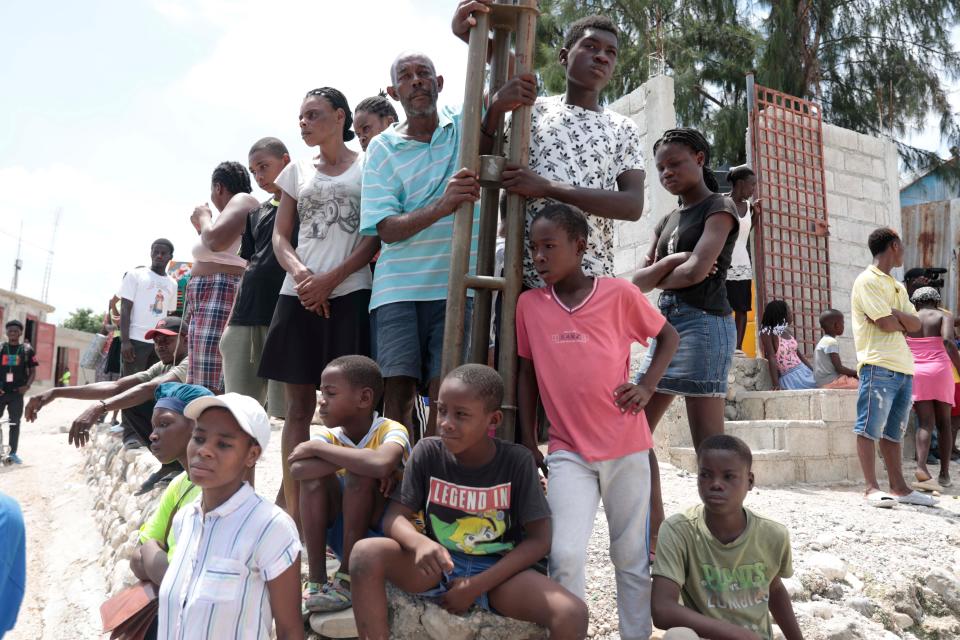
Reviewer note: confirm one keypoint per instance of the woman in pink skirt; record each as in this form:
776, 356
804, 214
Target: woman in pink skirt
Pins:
934, 355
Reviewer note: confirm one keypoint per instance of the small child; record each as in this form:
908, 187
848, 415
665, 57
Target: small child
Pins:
345, 472
573, 338
725, 561
789, 369
828, 370
236, 568
487, 523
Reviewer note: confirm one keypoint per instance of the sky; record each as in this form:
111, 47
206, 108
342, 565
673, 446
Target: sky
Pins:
115, 113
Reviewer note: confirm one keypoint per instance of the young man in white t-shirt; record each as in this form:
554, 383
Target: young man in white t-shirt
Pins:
580, 153
146, 296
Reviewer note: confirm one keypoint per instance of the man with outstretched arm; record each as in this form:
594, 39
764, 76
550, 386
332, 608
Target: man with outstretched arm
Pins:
134, 394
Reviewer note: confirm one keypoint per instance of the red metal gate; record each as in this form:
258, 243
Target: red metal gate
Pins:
791, 255
45, 350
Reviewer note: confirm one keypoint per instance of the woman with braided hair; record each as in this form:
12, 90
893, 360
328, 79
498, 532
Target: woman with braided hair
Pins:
688, 259
321, 313
934, 356
217, 269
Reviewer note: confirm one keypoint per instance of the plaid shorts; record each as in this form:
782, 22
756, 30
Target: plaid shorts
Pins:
209, 300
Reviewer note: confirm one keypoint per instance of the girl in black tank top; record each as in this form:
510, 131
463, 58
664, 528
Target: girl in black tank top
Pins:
688, 259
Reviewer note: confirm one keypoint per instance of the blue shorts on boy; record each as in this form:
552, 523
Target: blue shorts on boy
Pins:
382, 431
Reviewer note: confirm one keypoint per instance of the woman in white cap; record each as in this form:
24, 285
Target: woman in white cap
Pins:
236, 568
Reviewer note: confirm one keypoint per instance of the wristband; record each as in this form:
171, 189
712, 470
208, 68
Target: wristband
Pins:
103, 406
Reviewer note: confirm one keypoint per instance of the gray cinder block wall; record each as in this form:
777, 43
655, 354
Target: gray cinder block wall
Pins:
862, 194
651, 107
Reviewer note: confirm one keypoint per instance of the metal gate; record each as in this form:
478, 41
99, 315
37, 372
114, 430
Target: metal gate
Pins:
791, 256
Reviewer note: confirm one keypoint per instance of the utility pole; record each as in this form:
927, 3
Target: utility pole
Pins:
48, 271
18, 263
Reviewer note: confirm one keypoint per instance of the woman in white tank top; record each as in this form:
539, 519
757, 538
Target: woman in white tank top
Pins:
740, 273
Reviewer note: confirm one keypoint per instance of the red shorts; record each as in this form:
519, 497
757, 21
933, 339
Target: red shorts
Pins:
956, 401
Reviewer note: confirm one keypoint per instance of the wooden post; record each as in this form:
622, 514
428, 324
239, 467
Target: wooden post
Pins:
519, 153
453, 328
489, 206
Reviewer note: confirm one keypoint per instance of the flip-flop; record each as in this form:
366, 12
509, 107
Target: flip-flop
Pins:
917, 498
926, 485
880, 500
944, 482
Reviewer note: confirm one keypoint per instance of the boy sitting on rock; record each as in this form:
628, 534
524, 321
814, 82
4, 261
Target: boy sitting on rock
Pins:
345, 472
724, 561
487, 523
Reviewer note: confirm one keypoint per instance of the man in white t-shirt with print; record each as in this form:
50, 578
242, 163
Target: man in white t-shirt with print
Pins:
146, 296
580, 153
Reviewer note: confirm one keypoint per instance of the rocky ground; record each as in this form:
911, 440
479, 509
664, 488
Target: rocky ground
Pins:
860, 573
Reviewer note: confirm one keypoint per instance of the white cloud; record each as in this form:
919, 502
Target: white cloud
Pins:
105, 229
141, 173
298, 46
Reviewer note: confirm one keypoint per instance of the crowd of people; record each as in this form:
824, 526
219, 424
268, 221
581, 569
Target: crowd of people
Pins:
331, 295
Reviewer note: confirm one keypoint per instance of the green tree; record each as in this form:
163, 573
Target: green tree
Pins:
706, 46
83, 320
876, 66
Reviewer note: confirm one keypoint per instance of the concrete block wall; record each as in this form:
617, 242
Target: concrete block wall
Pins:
862, 186
651, 107
815, 429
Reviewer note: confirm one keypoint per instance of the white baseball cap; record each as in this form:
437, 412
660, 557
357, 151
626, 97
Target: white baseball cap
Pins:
248, 413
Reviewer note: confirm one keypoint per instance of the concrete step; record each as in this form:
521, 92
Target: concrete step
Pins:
770, 434
830, 405
771, 467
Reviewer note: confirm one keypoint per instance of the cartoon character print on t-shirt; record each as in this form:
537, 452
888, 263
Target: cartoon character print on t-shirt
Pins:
158, 300
470, 520
329, 205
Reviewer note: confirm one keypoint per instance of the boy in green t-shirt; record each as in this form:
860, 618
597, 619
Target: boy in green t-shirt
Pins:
724, 561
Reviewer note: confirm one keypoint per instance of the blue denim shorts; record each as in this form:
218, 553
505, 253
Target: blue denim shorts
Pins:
407, 338
883, 403
464, 566
335, 530
704, 355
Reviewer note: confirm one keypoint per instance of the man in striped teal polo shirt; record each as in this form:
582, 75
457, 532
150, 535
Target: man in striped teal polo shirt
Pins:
412, 183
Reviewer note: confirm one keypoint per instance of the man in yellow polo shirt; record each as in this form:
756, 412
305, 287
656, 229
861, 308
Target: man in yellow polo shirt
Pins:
881, 314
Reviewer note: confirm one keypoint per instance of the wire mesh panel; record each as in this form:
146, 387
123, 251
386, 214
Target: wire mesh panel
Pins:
790, 253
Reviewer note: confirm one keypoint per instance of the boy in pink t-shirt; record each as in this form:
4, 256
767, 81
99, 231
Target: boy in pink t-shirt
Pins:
573, 338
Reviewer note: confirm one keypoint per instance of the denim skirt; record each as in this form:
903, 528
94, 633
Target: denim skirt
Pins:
704, 355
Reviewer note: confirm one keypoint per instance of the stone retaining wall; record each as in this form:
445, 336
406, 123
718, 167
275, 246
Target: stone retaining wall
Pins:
114, 474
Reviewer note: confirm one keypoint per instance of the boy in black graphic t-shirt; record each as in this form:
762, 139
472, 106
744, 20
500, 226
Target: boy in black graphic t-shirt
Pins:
18, 367
487, 522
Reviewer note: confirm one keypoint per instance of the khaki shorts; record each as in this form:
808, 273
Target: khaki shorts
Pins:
241, 348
